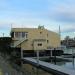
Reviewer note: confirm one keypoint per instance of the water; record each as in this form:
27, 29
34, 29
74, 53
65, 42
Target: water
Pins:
69, 50
66, 64
69, 65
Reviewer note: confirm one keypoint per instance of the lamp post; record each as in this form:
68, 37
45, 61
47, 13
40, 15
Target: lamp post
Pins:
21, 54
60, 35
37, 57
37, 61
55, 56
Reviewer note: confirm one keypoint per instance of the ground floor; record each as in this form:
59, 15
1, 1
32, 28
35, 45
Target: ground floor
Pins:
33, 53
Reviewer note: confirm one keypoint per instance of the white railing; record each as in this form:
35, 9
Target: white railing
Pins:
19, 41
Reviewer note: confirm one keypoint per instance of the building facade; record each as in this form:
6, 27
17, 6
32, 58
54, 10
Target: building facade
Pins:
34, 38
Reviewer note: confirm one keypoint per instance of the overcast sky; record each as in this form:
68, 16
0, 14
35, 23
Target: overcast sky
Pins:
31, 13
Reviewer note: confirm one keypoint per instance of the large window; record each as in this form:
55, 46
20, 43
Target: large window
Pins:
21, 34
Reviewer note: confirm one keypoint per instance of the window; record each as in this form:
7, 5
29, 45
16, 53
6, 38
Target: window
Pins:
23, 34
26, 34
40, 32
40, 44
47, 41
17, 34
47, 35
31, 44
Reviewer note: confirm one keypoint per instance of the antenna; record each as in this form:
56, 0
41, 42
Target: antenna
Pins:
60, 34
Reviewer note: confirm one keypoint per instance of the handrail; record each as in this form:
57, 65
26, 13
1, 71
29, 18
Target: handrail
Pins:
19, 42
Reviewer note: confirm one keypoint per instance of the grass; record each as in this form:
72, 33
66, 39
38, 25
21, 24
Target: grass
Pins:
1, 72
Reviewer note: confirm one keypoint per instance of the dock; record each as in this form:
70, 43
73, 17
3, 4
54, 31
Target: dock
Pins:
48, 67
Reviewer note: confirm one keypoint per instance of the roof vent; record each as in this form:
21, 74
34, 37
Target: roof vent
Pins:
41, 27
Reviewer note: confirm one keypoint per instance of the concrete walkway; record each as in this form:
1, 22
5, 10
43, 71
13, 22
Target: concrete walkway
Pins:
54, 69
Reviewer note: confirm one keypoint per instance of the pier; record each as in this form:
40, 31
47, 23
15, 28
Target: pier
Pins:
51, 68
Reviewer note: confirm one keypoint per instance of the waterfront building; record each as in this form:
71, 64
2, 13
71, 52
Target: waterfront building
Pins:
34, 38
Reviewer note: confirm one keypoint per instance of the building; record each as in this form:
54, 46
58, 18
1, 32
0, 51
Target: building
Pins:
34, 38
68, 42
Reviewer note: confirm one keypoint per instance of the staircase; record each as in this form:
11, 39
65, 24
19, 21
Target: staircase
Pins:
19, 42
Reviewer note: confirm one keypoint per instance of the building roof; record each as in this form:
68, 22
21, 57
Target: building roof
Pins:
26, 29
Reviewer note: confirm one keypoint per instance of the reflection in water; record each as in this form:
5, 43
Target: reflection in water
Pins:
63, 63
69, 50
69, 65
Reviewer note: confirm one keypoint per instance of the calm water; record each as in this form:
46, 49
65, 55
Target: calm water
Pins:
69, 65
69, 50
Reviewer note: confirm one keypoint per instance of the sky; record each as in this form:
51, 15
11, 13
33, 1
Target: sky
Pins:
32, 13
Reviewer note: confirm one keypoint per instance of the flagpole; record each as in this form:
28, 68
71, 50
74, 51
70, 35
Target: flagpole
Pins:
60, 34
